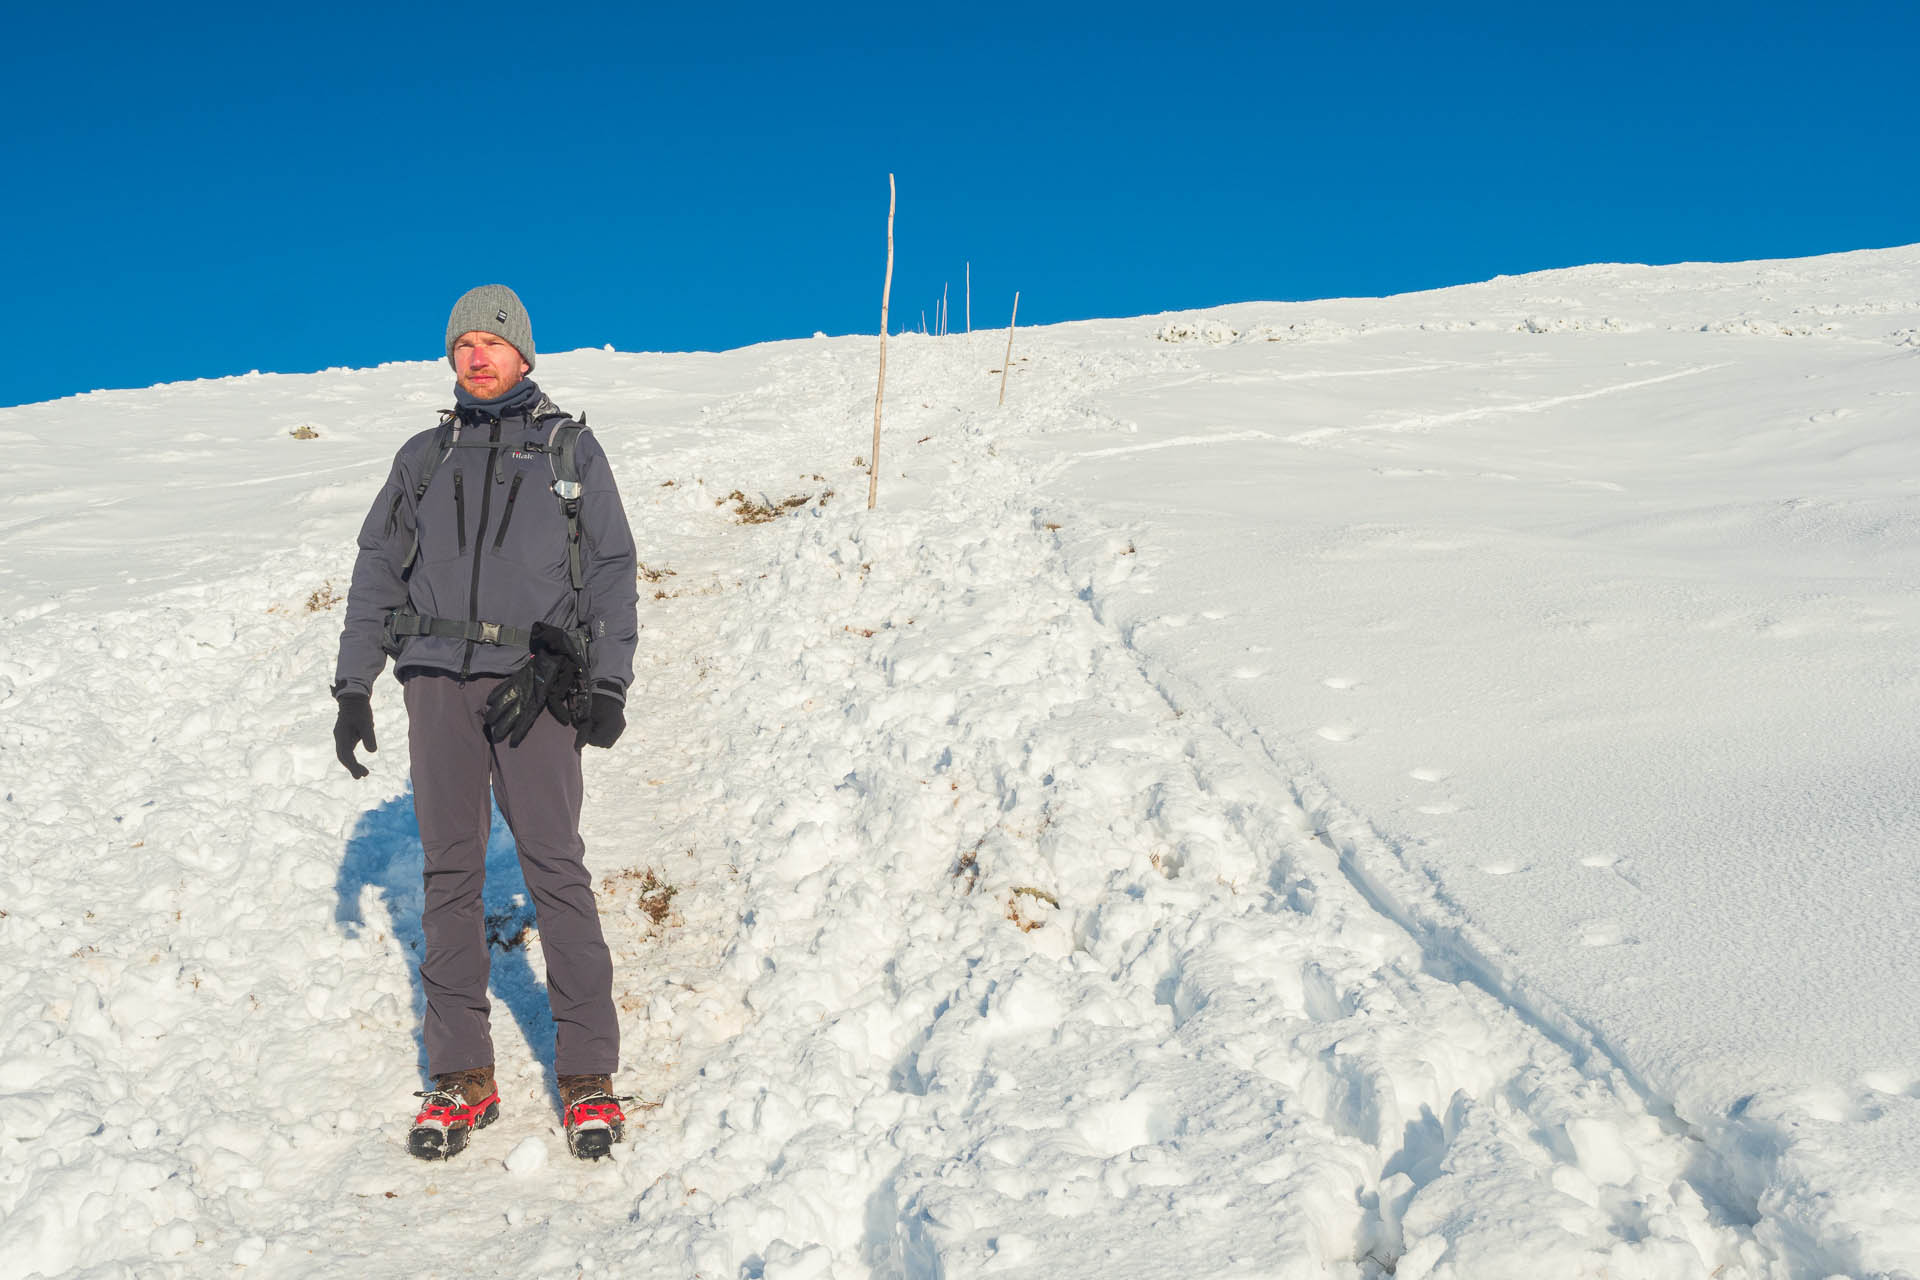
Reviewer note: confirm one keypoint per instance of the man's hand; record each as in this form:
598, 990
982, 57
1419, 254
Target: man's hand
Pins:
604, 724
354, 725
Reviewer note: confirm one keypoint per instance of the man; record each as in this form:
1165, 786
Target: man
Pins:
497, 568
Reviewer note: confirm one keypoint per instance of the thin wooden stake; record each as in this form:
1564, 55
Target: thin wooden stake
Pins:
879, 393
1009, 360
943, 308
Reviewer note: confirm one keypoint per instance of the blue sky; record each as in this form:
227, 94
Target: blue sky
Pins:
202, 191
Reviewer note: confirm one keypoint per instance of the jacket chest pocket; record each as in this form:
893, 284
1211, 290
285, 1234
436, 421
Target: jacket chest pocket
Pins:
506, 511
446, 516
531, 531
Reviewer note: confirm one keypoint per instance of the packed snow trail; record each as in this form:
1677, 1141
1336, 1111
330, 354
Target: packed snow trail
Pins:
954, 934
980, 957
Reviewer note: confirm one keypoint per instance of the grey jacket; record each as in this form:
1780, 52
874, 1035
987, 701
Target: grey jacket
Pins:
492, 548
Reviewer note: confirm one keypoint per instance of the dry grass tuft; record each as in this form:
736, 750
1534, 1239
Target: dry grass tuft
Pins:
747, 511
1023, 907
968, 866
510, 929
653, 895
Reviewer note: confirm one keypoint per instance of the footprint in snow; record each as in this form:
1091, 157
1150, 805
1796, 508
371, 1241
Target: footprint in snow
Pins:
1344, 684
1602, 933
1426, 773
1338, 732
1898, 1083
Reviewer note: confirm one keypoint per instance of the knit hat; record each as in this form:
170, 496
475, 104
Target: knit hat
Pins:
492, 308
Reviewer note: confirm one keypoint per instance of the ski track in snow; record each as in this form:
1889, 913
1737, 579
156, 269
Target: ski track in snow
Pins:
1178, 442
993, 949
1427, 422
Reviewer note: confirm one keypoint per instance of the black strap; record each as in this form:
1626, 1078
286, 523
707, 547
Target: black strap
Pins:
401, 624
566, 487
445, 443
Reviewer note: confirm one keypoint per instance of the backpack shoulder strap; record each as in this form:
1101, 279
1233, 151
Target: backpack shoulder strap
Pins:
562, 443
443, 444
563, 439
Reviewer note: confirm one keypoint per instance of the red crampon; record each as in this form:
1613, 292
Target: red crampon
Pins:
593, 1121
447, 1119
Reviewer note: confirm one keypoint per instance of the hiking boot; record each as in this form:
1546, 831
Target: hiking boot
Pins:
591, 1115
458, 1103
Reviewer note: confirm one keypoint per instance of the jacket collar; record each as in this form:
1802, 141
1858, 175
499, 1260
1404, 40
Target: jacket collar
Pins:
518, 401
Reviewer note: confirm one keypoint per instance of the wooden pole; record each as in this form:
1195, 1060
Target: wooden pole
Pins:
879, 393
1009, 360
943, 308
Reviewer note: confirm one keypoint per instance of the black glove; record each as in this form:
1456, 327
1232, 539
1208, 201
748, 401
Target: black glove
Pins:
545, 681
354, 725
606, 721
567, 694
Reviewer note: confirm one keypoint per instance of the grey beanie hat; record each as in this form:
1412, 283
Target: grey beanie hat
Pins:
492, 308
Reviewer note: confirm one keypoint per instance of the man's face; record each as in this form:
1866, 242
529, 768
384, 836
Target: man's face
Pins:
486, 364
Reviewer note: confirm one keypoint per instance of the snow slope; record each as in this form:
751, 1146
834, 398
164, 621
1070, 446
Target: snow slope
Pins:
1412, 785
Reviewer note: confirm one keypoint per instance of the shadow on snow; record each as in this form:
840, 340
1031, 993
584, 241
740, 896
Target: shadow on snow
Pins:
383, 857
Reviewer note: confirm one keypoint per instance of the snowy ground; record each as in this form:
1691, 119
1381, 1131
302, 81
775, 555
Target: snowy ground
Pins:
1418, 785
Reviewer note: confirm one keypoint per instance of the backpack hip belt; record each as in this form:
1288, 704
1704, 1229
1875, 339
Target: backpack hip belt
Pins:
403, 623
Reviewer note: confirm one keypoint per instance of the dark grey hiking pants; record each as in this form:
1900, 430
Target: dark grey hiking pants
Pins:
537, 785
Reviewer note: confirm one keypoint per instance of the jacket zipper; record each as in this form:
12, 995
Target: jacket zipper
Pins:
506, 516
479, 536
460, 510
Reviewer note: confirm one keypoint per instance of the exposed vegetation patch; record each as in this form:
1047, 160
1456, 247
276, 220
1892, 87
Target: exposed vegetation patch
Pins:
304, 432
968, 866
751, 511
711, 587
1029, 908
647, 890
1212, 331
510, 929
